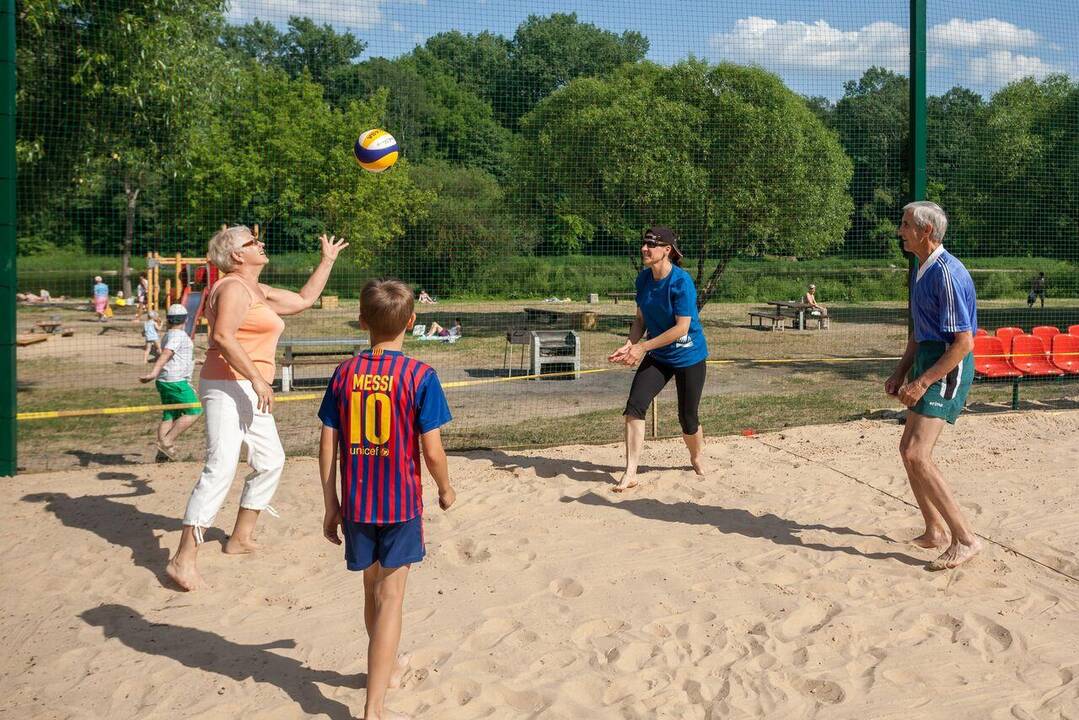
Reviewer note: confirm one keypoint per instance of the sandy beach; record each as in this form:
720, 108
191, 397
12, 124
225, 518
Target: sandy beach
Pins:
780, 586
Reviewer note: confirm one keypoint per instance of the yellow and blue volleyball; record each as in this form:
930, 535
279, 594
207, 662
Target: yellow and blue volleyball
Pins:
376, 150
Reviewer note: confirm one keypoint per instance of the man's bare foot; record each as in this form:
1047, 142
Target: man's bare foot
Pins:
626, 482
398, 673
956, 554
235, 546
930, 539
185, 575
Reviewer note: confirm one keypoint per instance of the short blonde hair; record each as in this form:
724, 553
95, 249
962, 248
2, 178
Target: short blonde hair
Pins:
225, 242
386, 306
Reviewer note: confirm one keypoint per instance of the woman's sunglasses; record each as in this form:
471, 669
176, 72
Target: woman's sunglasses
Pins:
652, 242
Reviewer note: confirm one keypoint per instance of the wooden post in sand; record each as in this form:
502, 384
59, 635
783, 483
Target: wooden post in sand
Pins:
655, 418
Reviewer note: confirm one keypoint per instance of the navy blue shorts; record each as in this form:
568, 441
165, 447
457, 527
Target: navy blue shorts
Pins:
393, 545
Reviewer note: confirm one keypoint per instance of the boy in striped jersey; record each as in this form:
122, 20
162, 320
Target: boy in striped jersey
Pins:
378, 409
940, 362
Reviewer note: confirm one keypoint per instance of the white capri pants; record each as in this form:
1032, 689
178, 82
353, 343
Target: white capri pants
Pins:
232, 421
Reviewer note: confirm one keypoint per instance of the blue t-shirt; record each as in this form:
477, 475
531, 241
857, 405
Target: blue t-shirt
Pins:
101, 290
660, 301
943, 300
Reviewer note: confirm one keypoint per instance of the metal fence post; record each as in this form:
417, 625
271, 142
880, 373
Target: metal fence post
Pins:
8, 172
917, 137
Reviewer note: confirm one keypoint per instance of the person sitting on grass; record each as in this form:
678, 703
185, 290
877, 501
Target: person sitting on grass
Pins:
172, 371
437, 331
427, 299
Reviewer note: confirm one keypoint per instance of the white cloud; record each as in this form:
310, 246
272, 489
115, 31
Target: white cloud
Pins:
989, 33
355, 14
1001, 67
818, 45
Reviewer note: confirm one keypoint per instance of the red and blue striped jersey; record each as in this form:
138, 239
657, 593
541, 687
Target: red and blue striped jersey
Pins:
380, 405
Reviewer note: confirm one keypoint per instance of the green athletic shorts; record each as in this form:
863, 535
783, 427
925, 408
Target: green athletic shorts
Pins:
945, 398
173, 393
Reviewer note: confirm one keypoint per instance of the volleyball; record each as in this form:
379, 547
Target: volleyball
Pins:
376, 150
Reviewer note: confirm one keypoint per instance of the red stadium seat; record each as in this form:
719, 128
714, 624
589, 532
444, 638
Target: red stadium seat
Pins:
1046, 333
1006, 334
989, 359
1028, 355
981, 332
1066, 353
1073, 330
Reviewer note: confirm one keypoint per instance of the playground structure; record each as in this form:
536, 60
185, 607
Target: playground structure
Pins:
192, 280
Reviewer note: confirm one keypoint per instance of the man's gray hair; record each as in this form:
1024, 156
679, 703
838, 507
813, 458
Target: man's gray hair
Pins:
924, 212
225, 242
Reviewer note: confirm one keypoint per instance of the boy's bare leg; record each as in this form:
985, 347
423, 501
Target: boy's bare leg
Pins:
242, 539
370, 581
634, 445
385, 635
182, 568
695, 444
918, 459
163, 432
179, 426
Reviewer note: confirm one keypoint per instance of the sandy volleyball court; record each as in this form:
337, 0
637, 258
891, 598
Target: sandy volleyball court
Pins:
778, 587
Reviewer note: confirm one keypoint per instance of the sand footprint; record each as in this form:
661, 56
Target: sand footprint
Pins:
566, 588
823, 691
468, 552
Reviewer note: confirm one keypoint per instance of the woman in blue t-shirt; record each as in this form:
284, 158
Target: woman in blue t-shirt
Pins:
675, 347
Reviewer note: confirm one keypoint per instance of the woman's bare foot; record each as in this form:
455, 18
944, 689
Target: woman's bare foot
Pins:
235, 546
956, 554
387, 715
398, 673
185, 575
698, 465
626, 482
930, 539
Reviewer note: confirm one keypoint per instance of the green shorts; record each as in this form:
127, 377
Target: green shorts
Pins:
173, 393
945, 398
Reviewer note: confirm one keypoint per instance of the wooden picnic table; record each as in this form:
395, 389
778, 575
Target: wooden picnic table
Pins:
798, 310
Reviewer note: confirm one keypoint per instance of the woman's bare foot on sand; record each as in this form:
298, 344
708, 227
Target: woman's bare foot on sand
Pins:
626, 482
185, 575
930, 539
398, 673
235, 546
388, 715
956, 554
698, 466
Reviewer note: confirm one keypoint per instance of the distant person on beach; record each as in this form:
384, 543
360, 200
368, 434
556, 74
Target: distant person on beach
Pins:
380, 409
666, 341
172, 371
142, 294
810, 299
940, 364
427, 299
100, 293
150, 338
234, 387
1037, 290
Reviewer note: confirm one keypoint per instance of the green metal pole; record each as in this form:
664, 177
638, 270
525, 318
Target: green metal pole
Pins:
7, 238
917, 132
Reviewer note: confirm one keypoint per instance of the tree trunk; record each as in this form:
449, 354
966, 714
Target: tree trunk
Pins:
704, 294
132, 194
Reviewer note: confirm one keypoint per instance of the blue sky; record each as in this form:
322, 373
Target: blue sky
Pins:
814, 46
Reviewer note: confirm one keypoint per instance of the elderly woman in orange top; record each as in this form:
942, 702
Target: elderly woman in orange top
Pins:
234, 387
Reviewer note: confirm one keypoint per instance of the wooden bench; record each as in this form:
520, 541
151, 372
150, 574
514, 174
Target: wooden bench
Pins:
624, 295
314, 351
777, 321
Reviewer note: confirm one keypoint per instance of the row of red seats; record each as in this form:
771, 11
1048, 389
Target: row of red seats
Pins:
1013, 354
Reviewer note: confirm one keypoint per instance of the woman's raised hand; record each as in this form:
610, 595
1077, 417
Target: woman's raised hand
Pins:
331, 246
619, 355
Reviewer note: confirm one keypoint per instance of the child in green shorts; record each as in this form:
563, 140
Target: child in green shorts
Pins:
173, 374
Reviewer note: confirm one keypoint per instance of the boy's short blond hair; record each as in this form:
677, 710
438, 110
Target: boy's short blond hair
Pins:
386, 306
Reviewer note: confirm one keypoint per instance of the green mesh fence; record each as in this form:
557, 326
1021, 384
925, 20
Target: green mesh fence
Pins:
537, 140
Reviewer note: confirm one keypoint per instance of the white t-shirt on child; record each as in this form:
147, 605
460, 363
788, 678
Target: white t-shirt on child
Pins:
182, 363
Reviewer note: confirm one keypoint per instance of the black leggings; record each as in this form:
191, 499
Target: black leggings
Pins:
653, 376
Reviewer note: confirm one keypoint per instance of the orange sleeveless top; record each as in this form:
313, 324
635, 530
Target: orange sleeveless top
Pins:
258, 335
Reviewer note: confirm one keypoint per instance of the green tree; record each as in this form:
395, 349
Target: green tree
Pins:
871, 119
279, 154
954, 163
726, 155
